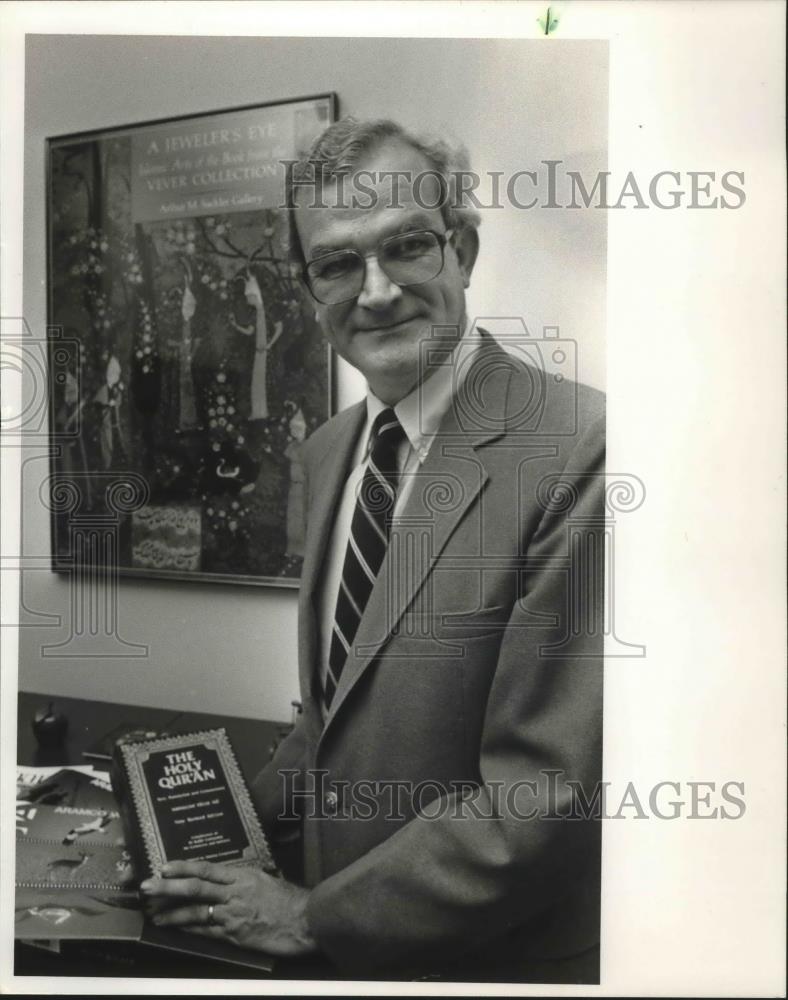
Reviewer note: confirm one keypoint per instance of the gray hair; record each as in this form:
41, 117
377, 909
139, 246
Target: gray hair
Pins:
342, 145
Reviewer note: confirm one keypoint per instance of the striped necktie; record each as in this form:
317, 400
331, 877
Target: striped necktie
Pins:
367, 543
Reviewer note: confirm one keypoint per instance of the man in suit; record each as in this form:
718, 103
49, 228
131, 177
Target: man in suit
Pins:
450, 630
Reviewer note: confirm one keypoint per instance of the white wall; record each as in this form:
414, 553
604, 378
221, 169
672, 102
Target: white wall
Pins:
513, 103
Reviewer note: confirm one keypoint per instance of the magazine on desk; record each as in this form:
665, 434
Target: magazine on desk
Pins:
73, 873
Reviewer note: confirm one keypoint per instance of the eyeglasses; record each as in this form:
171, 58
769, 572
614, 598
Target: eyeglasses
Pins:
406, 259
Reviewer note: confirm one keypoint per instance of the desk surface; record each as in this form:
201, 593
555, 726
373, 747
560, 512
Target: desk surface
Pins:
88, 721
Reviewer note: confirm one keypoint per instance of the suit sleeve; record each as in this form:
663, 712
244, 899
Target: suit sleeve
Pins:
272, 789
441, 885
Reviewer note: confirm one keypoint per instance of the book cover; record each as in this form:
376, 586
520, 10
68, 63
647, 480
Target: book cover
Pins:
184, 798
65, 786
69, 824
51, 864
171, 939
79, 912
73, 886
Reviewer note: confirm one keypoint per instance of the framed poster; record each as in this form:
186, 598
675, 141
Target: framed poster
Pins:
185, 367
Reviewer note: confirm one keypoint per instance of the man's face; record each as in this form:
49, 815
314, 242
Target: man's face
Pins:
379, 331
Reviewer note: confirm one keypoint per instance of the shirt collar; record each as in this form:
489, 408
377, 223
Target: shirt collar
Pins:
420, 413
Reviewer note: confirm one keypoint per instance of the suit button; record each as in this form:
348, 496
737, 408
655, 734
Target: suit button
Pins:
331, 802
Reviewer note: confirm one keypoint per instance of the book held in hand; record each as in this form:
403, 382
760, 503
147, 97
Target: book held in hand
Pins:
184, 798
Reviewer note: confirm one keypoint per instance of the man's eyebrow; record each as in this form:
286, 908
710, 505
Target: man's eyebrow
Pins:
415, 223
321, 249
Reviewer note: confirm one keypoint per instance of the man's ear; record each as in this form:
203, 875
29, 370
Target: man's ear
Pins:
466, 245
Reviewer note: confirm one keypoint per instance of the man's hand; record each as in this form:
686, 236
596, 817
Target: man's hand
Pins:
242, 905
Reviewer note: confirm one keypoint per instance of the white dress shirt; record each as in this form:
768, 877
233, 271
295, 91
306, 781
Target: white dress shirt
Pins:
420, 414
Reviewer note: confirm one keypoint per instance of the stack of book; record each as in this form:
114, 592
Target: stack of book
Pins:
73, 873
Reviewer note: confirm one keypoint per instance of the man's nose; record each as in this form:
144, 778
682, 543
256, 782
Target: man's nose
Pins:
378, 291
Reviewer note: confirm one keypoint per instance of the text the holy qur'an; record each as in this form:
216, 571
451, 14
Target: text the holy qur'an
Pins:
183, 769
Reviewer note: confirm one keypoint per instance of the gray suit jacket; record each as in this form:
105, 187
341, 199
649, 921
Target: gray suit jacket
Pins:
476, 669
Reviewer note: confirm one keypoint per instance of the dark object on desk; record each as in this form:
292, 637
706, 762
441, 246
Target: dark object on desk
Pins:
49, 726
184, 798
104, 747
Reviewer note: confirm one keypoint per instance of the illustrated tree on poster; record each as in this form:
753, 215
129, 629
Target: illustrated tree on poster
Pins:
100, 290
262, 345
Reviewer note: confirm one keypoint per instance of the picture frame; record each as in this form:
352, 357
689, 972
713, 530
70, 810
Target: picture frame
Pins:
185, 365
